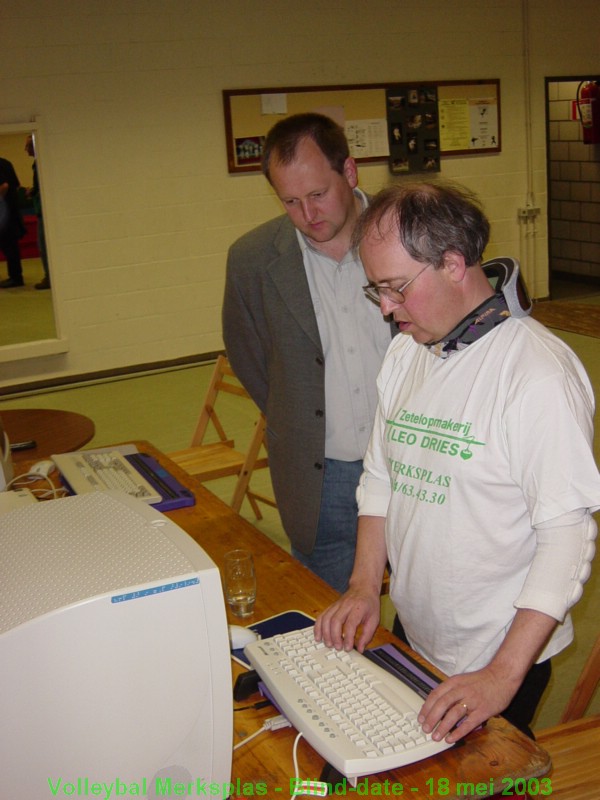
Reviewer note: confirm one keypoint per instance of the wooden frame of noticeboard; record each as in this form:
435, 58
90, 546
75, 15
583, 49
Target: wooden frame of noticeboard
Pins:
468, 116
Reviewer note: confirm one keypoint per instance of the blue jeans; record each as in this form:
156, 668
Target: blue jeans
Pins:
332, 558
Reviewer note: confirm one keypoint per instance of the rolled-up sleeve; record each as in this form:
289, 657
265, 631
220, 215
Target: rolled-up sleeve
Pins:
373, 496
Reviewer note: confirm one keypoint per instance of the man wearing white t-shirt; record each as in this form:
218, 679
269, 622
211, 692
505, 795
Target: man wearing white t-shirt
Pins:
479, 481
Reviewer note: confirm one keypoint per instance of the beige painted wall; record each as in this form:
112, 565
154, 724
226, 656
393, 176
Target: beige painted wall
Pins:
139, 206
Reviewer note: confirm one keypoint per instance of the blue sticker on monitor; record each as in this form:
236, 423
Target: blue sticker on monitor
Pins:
166, 587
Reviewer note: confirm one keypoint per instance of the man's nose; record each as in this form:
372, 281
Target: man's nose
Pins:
308, 210
386, 306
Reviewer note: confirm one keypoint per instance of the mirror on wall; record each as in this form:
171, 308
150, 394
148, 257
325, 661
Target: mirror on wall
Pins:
28, 321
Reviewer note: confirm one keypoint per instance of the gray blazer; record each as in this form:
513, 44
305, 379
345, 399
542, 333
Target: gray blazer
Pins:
272, 341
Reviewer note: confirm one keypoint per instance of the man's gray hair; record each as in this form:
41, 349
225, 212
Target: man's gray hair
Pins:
430, 219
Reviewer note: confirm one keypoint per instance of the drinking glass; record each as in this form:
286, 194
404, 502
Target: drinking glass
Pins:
240, 582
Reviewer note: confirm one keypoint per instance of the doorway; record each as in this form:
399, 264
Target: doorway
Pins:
573, 195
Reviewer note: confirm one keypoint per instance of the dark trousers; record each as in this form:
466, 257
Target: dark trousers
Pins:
10, 247
523, 705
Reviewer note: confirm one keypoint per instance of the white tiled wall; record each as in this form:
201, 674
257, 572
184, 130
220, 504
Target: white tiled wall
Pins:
574, 189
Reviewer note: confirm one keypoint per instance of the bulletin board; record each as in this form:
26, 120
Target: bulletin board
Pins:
466, 116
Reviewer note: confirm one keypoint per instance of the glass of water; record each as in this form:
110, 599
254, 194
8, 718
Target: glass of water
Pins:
240, 582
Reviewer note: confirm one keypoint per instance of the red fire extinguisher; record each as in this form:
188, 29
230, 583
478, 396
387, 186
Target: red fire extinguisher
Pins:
588, 103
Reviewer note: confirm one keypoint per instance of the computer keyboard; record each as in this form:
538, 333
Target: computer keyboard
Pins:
100, 471
356, 715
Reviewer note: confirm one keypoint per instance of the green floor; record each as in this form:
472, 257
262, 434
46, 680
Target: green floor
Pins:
162, 409
26, 314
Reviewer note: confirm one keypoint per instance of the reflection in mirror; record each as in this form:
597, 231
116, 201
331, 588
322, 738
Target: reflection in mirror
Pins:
26, 302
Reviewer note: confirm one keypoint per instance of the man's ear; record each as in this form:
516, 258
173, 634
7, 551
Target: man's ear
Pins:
351, 172
454, 264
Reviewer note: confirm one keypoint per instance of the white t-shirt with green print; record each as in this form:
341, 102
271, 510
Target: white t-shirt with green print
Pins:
467, 455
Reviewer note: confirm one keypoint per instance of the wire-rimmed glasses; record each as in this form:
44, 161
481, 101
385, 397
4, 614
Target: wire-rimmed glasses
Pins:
375, 291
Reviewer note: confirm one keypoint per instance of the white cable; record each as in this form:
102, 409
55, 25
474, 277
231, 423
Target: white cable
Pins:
271, 724
304, 788
31, 477
296, 768
249, 738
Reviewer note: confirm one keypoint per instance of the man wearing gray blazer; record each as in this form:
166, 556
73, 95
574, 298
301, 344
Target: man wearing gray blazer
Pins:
304, 340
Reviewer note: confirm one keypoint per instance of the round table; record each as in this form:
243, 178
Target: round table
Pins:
53, 431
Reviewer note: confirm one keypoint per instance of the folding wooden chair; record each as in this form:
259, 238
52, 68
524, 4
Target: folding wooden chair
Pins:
385, 583
574, 744
582, 694
220, 459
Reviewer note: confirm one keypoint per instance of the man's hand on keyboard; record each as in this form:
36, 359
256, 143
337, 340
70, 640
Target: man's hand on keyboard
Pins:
474, 697
356, 611
446, 714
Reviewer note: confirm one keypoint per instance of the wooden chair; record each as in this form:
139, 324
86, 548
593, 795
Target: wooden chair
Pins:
220, 459
574, 744
582, 694
385, 583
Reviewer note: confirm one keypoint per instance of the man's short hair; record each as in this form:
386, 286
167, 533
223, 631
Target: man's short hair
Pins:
284, 137
429, 219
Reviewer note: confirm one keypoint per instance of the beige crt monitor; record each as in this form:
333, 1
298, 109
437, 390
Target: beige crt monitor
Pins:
114, 652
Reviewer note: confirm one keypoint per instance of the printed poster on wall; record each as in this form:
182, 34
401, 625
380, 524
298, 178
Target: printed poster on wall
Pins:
468, 124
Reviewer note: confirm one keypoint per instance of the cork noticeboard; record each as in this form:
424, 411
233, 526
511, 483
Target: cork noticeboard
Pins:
465, 116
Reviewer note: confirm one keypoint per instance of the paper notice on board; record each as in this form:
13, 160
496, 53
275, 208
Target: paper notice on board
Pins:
484, 123
367, 138
468, 124
455, 124
336, 113
273, 103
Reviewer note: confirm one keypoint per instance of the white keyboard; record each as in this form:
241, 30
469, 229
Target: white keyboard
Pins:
91, 471
356, 715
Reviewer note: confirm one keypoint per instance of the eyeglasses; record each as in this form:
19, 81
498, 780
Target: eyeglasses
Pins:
375, 292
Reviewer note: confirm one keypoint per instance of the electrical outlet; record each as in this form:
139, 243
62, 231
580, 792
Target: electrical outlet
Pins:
529, 212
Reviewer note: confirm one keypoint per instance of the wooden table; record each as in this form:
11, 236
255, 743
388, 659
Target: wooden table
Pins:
574, 747
487, 761
53, 431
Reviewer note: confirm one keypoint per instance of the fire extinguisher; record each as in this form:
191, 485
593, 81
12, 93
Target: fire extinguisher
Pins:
588, 104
